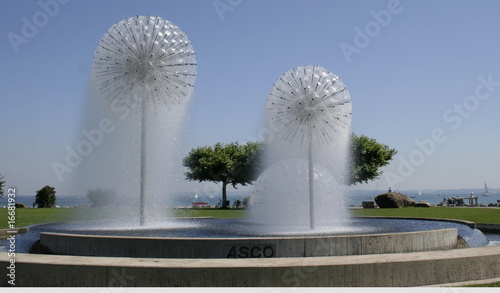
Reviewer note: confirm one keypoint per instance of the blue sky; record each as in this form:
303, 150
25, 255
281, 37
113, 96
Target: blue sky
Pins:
424, 77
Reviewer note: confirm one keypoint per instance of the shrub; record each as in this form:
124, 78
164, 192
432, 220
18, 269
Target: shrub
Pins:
46, 197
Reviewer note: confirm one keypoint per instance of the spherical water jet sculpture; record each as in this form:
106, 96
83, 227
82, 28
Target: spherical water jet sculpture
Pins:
309, 105
143, 61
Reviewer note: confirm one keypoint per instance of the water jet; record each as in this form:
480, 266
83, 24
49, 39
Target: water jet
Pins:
309, 109
140, 61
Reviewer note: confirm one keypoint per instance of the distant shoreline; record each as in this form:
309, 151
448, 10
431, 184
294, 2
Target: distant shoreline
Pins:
354, 197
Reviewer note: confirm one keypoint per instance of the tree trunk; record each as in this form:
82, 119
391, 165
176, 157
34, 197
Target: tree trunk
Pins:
224, 195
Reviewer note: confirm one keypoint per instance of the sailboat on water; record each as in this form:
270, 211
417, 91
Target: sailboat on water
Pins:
486, 193
419, 194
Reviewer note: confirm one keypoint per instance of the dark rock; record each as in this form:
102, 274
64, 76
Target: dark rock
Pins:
393, 200
422, 204
20, 205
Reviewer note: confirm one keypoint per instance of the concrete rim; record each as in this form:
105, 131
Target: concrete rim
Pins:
268, 247
388, 270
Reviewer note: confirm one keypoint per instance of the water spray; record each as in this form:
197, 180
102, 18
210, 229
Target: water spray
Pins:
140, 62
307, 106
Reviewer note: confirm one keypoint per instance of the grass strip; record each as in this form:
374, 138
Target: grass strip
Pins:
25, 217
476, 215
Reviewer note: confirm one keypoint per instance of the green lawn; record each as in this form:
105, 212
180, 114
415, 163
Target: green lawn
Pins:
25, 217
477, 215
210, 212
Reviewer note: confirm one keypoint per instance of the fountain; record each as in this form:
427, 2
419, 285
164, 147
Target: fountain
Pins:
299, 233
297, 207
143, 61
309, 109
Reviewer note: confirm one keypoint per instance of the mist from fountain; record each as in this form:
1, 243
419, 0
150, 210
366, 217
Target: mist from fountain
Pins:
303, 188
114, 164
142, 80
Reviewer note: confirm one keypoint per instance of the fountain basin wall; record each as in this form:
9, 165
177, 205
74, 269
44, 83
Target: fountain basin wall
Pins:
389, 270
248, 247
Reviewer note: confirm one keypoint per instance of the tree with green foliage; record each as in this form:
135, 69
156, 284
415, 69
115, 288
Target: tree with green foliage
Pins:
367, 157
226, 163
239, 164
46, 197
100, 197
2, 185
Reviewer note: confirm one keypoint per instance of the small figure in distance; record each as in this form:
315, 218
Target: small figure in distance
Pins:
390, 189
